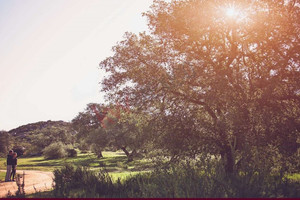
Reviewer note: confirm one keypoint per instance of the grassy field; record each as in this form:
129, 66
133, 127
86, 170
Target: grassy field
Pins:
295, 177
114, 162
2, 176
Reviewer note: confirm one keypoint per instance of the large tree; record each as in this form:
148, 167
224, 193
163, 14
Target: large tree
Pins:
222, 75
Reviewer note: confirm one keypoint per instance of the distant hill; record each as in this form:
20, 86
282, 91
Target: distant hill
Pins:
32, 128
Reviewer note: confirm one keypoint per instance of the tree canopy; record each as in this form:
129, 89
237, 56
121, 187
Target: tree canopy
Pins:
224, 84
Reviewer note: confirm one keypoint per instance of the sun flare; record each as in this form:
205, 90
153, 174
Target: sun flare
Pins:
231, 11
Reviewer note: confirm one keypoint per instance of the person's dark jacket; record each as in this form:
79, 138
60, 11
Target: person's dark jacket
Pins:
9, 160
14, 161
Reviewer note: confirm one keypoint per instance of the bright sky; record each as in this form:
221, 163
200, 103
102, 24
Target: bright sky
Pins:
50, 51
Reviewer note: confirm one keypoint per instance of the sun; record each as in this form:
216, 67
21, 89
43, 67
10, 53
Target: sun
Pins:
231, 11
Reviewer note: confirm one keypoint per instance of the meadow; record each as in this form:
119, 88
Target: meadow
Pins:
2, 176
115, 163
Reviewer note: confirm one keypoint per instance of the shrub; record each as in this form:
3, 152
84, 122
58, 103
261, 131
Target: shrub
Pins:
71, 152
54, 151
182, 181
75, 182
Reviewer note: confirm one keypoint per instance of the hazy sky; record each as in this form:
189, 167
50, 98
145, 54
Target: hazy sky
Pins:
50, 51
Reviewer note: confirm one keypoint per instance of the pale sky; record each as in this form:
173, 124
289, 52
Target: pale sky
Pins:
50, 51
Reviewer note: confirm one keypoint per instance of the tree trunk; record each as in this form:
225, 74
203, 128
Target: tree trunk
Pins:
230, 162
125, 151
227, 156
99, 155
129, 155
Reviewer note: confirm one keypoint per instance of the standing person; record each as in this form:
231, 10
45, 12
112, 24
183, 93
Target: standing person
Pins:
14, 166
9, 165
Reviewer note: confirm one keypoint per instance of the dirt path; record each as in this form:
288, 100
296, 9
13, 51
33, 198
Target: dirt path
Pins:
34, 181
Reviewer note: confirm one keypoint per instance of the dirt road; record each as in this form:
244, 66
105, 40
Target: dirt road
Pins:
34, 181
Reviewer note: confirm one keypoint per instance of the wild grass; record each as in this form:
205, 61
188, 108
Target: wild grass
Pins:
46, 194
123, 176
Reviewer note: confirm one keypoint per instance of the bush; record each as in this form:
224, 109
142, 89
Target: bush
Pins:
182, 181
71, 152
54, 151
79, 182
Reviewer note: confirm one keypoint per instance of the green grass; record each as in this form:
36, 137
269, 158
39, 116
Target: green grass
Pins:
114, 162
2, 176
124, 175
295, 176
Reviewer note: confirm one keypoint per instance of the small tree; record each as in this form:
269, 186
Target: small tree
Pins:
126, 131
83, 146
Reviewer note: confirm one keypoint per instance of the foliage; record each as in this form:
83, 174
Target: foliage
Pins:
88, 120
39, 195
214, 84
183, 181
47, 136
204, 178
5, 143
71, 152
55, 150
110, 127
98, 141
35, 137
89, 184
126, 133
98, 151
88, 124
83, 146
